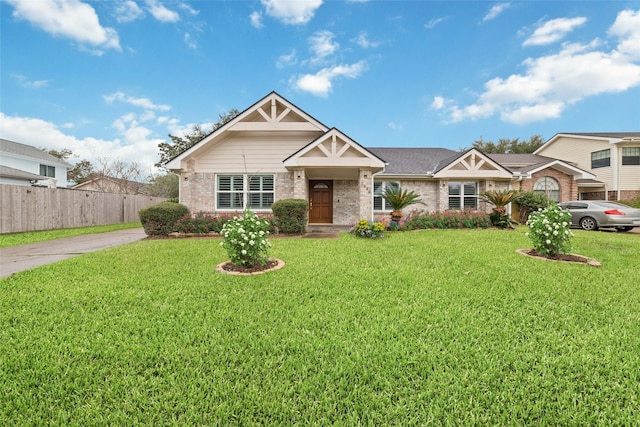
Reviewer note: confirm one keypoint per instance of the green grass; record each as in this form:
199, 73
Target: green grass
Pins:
16, 239
432, 327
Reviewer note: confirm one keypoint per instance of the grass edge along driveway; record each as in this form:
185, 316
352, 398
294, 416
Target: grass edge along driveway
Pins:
429, 327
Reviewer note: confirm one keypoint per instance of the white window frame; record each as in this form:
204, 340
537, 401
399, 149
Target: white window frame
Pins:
630, 156
463, 198
377, 194
549, 186
242, 189
601, 159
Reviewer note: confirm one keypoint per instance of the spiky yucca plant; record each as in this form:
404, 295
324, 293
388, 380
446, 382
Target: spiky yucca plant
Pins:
399, 199
500, 200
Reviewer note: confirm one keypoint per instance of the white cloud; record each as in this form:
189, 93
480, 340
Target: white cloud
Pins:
138, 102
553, 30
551, 83
161, 12
137, 146
438, 103
496, 10
433, 22
188, 40
256, 20
189, 9
396, 126
320, 84
286, 59
127, 11
363, 41
291, 12
627, 29
67, 18
25, 82
321, 44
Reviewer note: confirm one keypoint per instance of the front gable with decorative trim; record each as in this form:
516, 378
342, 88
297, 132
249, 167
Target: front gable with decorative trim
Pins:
273, 150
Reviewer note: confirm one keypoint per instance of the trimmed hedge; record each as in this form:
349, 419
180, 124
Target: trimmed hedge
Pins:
290, 215
160, 219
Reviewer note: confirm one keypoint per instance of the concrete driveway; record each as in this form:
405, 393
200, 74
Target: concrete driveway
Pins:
25, 257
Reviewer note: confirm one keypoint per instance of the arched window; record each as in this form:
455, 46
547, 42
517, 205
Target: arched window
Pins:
549, 187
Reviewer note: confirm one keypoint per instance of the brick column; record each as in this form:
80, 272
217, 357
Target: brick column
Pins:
365, 186
300, 187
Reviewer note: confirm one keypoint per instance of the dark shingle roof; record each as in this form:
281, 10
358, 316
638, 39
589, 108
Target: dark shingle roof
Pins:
412, 160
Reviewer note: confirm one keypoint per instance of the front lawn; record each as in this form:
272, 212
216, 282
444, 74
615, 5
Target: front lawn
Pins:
428, 327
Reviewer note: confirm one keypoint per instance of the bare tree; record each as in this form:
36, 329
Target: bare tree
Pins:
116, 176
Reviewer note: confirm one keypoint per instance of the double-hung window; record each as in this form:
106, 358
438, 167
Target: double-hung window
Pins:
631, 155
49, 171
238, 191
601, 159
463, 195
379, 187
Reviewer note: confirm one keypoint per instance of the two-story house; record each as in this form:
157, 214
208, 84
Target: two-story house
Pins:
613, 158
22, 164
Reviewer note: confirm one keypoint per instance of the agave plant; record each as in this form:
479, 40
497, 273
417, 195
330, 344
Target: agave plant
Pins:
399, 199
500, 200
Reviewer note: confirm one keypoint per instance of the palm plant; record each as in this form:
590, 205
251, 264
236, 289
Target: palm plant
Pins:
399, 199
500, 200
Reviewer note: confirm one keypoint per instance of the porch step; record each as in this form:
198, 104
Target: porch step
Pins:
327, 228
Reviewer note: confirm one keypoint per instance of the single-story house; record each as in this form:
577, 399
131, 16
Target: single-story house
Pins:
26, 165
108, 184
274, 150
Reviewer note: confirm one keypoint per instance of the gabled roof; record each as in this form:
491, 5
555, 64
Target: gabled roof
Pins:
412, 161
472, 163
611, 137
8, 172
23, 150
271, 113
334, 149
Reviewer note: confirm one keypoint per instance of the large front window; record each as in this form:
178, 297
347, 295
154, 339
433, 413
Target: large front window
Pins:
379, 187
238, 191
601, 159
549, 187
463, 195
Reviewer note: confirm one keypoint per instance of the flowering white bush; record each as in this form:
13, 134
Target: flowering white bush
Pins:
245, 239
549, 230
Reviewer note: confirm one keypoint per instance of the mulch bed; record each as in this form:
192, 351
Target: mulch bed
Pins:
229, 266
575, 258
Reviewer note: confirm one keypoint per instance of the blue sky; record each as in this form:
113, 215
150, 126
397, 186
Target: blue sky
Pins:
111, 79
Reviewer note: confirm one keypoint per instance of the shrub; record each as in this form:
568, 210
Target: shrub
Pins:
634, 203
448, 219
245, 239
201, 223
366, 228
549, 230
160, 219
290, 215
529, 202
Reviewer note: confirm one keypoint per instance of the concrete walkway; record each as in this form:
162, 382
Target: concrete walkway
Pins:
25, 257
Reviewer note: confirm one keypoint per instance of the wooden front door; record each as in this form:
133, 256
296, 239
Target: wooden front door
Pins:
320, 202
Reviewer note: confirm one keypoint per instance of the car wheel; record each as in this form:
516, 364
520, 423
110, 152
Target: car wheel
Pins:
624, 228
588, 223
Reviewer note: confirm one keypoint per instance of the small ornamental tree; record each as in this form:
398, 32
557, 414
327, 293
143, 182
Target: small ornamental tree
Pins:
245, 239
549, 231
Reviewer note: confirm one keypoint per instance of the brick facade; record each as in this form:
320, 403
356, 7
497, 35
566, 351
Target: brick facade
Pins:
568, 186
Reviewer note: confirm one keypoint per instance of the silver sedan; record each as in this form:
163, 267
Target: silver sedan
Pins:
594, 214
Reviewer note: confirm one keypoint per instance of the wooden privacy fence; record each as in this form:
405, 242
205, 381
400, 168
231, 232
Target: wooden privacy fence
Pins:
26, 208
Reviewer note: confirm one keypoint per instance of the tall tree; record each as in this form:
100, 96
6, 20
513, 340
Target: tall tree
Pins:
514, 146
179, 144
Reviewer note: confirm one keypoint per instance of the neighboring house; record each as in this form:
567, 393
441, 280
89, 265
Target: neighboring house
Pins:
613, 158
26, 165
273, 150
107, 184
